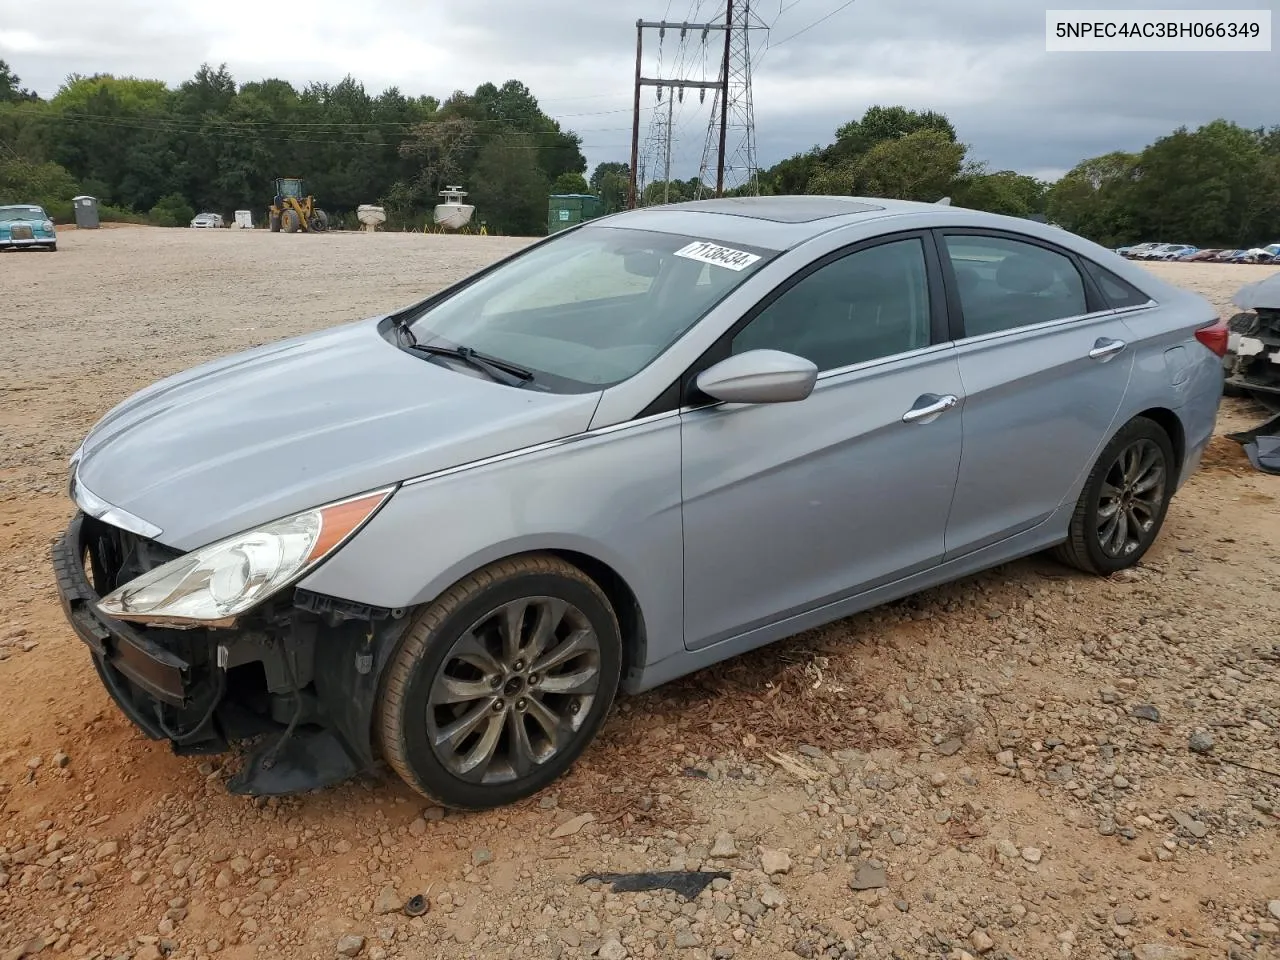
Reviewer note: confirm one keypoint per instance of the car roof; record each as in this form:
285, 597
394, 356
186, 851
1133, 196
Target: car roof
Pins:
780, 222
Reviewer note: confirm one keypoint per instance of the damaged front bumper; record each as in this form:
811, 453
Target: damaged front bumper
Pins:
299, 675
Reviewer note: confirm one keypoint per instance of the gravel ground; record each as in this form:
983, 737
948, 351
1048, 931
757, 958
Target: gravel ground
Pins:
1030, 763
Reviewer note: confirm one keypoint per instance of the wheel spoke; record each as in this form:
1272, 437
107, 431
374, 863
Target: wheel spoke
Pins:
453, 690
551, 611
1140, 516
1150, 454
580, 641
1153, 479
465, 725
511, 626
479, 756
521, 750
1107, 528
471, 649
1122, 532
551, 722
1109, 491
585, 680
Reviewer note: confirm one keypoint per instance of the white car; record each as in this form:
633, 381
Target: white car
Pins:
207, 221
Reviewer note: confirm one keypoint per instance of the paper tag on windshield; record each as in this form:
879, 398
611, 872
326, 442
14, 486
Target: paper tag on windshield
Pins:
717, 255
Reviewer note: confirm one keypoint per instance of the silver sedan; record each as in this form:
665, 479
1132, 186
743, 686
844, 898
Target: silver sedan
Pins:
446, 538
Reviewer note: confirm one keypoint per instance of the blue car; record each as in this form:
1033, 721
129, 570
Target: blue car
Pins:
26, 225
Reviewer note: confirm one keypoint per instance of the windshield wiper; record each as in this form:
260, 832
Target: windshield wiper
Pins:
500, 370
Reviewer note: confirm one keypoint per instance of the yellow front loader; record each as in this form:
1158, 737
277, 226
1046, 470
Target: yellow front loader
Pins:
292, 209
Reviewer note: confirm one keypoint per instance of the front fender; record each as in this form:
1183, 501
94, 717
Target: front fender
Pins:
611, 495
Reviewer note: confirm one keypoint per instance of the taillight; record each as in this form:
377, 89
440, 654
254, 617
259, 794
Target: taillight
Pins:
1215, 336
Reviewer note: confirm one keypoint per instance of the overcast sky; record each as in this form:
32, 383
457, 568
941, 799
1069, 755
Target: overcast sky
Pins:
982, 62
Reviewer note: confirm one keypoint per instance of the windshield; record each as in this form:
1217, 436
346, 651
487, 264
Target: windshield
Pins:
591, 307
21, 213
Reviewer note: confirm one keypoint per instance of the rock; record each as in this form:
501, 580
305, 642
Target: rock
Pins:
1273, 908
432, 814
1119, 782
418, 828
1146, 711
686, 940
60, 759
181, 866
775, 861
1031, 854
165, 927
388, 901
1159, 951
724, 846
772, 897
1005, 759
1007, 848
612, 949
108, 848
28, 949
350, 945
1124, 916
148, 951
480, 856
1200, 742
981, 941
868, 875
949, 748
570, 827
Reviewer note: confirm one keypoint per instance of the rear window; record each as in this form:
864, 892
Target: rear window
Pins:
1117, 292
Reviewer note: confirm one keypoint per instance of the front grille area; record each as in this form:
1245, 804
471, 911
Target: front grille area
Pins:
117, 556
21, 232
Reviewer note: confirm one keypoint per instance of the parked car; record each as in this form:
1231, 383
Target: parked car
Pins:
26, 225
205, 221
450, 535
1201, 255
1137, 250
1170, 251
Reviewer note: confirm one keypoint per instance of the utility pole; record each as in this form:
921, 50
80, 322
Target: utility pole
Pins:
666, 174
724, 97
674, 84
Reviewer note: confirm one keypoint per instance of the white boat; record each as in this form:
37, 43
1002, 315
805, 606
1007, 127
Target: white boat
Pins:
453, 214
371, 215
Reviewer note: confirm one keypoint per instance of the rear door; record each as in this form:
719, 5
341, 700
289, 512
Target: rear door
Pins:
1045, 363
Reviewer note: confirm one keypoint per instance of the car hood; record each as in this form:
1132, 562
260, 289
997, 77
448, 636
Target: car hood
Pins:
258, 435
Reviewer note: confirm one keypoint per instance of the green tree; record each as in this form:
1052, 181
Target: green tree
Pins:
172, 211
610, 182
11, 90
570, 183
508, 188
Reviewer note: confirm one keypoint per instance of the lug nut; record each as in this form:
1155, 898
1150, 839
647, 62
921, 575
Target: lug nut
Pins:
495, 681
518, 665
499, 706
521, 704
534, 679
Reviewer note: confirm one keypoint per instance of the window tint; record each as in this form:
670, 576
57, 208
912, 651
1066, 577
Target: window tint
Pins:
867, 305
1119, 293
1005, 284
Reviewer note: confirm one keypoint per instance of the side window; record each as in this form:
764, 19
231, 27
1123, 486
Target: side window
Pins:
1119, 293
1004, 284
870, 304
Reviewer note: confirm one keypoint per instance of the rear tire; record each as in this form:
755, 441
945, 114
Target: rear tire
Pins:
291, 221
319, 221
1124, 501
455, 664
273, 221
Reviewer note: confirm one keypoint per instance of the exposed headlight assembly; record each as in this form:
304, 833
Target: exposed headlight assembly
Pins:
211, 586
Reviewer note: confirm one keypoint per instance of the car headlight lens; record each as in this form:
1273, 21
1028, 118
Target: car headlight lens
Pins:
48, 226
214, 584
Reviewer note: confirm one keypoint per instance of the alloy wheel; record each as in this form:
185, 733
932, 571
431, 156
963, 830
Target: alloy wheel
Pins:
1131, 498
514, 690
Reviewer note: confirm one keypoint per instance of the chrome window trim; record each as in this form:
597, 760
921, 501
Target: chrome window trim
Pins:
883, 361
1035, 327
96, 507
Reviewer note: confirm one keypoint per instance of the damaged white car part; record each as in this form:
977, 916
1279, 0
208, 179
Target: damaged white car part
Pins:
211, 586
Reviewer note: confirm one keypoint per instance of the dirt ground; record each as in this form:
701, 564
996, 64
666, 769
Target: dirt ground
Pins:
1030, 763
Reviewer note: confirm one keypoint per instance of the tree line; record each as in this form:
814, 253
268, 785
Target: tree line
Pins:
148, 151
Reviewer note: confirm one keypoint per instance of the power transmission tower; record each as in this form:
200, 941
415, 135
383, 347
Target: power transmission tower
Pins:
674, 87
732, 127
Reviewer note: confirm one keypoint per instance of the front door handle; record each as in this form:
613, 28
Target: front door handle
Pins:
934, 409
1104, 349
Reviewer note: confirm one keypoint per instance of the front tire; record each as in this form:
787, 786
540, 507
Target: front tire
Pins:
499, 685
1124, 501
291, 221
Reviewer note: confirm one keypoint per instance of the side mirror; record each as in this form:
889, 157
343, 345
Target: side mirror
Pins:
759, 376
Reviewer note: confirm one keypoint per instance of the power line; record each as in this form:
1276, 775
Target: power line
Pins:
820, 20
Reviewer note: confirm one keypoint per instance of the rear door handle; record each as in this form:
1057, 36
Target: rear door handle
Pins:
931, 411
1104, 349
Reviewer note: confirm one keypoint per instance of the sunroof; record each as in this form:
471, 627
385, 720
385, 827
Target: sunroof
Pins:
781, 209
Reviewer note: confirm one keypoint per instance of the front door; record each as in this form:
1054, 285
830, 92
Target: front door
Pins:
791, 506
1044, 369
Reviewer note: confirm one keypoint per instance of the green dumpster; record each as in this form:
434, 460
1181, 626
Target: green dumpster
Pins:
566, 209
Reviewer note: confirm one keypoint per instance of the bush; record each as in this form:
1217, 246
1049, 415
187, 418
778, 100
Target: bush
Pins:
171, 211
